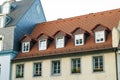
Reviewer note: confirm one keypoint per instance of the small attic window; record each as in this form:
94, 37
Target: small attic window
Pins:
100, 36
2, 21
59, 42
80, 36
25, 46
7, 20
61, 39
101, 32
43, 44
6, 8
79, 39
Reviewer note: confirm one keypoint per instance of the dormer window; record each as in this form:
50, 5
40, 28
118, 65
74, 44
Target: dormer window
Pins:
27, 43
1, 42
43, 44
25, 46
100, 36
60, 42
80, 36
79, 40
61, 39
100, 33
6, 8
43, 41
2, 21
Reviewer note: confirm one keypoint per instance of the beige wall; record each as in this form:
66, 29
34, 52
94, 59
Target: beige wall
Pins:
109, 72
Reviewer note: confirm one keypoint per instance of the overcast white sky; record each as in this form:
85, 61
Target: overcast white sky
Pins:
55, 9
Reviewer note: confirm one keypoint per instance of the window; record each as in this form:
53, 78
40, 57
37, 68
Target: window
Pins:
75, 65
6, 8
37, 69
1, 43
79, 39
42, 44
56, 67
97, 63
99, 36
20, 71
60, 42
25, 46
0, 69
38, 9
1, 21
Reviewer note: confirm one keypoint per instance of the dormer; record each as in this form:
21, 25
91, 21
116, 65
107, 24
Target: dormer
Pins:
100, 33
26, 44
61, 39
80, 36
7, 7
44, 41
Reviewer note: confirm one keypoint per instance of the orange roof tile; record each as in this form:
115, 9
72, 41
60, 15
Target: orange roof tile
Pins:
87, 22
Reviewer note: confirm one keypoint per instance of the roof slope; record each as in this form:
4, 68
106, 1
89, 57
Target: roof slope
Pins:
19, 11
87, 22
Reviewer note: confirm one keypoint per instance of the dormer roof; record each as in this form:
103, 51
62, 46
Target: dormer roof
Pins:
100, 27
79, 30
60, 33
44, 36
26, 38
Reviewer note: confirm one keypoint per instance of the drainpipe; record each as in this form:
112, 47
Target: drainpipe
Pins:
116, 58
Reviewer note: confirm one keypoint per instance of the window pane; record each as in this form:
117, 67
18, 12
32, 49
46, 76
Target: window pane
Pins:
99, 36
79, 39
19, 71
25, 46
42, 44
55, 67
75, 65
60, 42
37, 69
97, 63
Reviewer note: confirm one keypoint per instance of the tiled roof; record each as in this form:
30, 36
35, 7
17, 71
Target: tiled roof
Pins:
87, 22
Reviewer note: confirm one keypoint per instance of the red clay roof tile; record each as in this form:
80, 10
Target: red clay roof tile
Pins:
87, 22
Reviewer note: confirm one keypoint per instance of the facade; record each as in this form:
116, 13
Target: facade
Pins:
16, 19
78, 48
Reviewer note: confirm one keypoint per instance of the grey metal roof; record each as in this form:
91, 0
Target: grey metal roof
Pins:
19, 11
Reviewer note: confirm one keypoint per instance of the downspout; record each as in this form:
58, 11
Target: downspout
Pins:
116, 63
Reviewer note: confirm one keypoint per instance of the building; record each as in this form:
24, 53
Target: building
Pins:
79, 48
16, 19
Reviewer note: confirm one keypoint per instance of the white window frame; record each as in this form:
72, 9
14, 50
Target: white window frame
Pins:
1, 42
38, 9
60, 44
2, 21
19, 70
58, 67
0, 69
75, 65
100, 35
6, 8
37, 69
98, 65
79, 37
43, 44
25, 50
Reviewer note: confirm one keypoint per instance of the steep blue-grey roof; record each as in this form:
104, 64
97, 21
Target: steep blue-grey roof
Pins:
20, 9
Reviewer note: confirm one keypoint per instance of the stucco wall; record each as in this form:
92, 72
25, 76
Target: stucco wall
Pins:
109, 72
